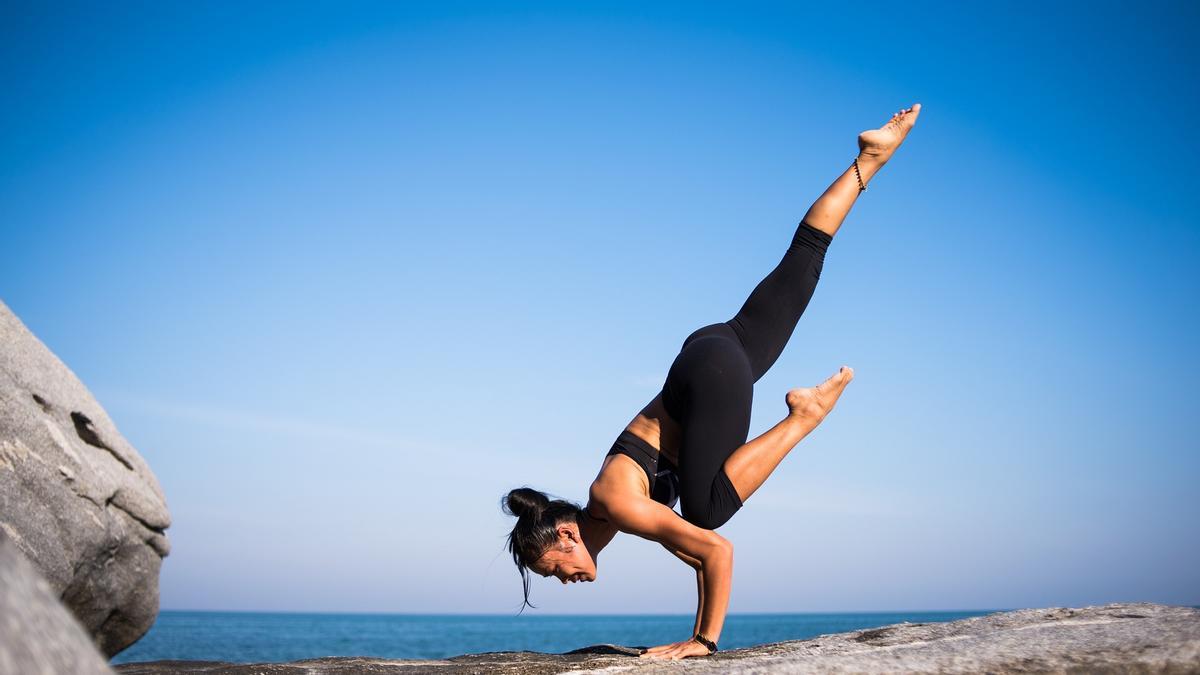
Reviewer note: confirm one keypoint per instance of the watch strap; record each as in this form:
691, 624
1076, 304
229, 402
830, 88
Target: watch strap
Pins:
712, 646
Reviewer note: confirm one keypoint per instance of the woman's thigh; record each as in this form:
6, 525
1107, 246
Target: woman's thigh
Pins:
709, 392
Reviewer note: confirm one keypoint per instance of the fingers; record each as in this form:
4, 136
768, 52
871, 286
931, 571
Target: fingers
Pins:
672, 652
661, 651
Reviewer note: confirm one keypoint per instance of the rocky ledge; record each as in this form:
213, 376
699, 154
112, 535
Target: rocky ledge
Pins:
1115, 638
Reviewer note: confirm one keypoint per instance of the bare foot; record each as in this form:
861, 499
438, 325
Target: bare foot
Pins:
816, 402
878, 144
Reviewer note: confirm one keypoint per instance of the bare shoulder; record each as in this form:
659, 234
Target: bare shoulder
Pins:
620, 479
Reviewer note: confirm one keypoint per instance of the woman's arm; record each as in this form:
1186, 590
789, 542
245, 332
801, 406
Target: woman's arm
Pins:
651, 520
694, 564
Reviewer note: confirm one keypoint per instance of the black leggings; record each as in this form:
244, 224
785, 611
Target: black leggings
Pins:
710, 385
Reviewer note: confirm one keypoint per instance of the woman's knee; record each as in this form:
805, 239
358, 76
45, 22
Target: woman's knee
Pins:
706, 517
711, 512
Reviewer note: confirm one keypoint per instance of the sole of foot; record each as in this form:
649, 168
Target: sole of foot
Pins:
817, 402
879, 144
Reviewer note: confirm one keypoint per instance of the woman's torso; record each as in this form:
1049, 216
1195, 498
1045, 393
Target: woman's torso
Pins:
648, 455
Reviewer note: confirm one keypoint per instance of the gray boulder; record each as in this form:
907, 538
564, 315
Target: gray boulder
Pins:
75, 497
38, 636
1117, 638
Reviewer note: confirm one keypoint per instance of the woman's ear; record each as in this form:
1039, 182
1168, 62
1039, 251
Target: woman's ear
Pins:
568, 532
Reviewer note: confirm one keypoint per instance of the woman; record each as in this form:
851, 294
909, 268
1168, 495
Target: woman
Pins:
689, 445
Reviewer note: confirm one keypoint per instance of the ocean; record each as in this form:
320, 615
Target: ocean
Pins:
252, 637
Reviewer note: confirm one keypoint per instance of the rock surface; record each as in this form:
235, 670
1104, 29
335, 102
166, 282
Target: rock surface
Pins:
75, 498
37, 634
1116, 638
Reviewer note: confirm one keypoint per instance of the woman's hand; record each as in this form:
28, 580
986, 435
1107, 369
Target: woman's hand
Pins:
654, 521
677, 650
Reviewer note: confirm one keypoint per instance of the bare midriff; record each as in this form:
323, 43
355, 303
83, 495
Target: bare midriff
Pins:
657, 428
654, 426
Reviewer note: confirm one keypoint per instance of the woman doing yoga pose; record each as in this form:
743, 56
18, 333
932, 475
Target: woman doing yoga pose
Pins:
689, 444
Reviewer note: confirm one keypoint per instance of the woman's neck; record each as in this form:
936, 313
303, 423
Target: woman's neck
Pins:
595, 533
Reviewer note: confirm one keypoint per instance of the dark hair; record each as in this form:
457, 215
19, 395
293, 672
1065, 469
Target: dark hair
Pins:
538, 518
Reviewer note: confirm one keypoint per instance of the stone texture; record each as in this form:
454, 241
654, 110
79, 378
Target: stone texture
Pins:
75, 498
1116, 638
38, 636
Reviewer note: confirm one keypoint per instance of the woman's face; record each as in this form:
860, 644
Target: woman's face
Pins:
568, 559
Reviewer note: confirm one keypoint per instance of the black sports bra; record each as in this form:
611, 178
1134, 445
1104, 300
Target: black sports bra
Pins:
660, 470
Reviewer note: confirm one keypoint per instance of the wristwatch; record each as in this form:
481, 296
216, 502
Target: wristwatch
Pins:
712, 646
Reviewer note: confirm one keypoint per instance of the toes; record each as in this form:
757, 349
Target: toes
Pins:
843, 376
837, 381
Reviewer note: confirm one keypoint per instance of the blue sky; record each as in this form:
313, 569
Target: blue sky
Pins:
344, 275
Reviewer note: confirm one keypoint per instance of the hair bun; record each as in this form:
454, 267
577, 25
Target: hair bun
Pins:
525, 501
536, 529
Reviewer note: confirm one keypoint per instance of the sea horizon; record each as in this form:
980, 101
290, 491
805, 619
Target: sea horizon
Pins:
243, 636
334, 612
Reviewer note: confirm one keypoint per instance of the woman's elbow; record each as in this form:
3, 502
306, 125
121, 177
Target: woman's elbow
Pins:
720, 549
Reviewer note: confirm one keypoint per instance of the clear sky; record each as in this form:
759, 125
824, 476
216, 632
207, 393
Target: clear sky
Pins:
345, 274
